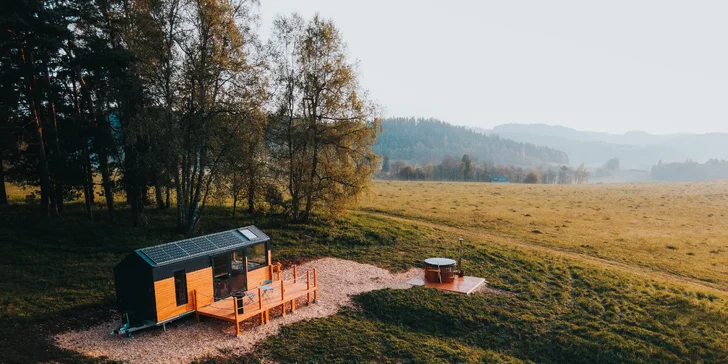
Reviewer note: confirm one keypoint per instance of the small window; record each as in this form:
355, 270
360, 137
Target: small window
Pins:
257, 256
180, 287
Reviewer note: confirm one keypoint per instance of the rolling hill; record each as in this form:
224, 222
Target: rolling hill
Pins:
636, 149
426, 140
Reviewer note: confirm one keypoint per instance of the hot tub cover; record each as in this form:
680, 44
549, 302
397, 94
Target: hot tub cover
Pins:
440, 262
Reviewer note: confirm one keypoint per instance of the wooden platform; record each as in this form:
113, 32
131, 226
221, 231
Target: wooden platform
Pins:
463, 285
284, 294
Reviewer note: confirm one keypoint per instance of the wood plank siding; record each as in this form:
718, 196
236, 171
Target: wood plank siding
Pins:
166, 302
257, 276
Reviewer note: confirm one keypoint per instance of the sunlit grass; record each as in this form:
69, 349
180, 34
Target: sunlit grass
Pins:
675, 227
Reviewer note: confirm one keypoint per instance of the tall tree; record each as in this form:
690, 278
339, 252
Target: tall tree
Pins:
215, 46
385, 164
326, 126
466, 167
32, 33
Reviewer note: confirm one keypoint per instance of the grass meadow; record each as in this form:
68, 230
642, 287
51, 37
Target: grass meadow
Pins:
678, 228
584, 274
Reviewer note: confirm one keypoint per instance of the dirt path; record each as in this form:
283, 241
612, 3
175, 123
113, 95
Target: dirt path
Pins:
642, 271
186, 340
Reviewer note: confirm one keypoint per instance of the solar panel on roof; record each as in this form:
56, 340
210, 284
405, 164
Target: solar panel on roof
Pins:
194, 246
223, 240
174, 251
248, 234
157, 254
184, 249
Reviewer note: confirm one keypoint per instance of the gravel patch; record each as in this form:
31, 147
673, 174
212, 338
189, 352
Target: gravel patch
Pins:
186, 340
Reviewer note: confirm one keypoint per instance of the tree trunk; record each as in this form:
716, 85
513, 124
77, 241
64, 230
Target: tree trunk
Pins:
311, 187
99, 146
180, 193
158, 193
59, 160
88, 185
3, 192
251, 196
46, 188
235, 204
101, 140
106, 182
133, 184
168, 198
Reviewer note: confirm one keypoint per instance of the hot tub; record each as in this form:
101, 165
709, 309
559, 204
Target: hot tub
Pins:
439, 270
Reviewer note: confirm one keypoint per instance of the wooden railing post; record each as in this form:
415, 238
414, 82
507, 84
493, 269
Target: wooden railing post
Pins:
283, 299
278, 270
308, 287
260, 306
315, 285
295, 274
237, 322
283, 290
194, 297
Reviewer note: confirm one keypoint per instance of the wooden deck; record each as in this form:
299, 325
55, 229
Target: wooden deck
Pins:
283, 293
463, 285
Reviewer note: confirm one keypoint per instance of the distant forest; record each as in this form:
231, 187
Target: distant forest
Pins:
466, 170
421, 141
690, 171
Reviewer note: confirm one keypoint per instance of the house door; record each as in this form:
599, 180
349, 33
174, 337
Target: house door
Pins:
221, 275
228, 272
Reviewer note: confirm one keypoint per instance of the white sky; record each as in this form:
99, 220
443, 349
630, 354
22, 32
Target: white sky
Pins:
613, 66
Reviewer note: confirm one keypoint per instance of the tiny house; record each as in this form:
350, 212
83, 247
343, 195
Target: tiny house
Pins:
155, 285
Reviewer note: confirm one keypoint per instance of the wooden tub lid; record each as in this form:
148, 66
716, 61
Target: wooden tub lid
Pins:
440, 262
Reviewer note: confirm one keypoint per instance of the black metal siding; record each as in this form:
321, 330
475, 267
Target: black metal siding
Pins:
135, 290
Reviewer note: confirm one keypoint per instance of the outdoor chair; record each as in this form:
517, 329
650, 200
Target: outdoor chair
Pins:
265, 287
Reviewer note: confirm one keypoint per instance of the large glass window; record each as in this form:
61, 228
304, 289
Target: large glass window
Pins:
237, 271
180, 287
257, 256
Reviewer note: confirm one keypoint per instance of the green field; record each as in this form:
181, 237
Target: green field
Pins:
598, 273
675, 228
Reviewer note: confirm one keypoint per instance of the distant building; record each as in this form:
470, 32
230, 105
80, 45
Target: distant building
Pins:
499, 179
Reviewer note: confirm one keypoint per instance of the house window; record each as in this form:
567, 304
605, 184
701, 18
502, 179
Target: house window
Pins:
180, 287
257, 256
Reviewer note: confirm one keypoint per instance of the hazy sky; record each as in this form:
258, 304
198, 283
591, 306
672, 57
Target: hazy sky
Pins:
614, 66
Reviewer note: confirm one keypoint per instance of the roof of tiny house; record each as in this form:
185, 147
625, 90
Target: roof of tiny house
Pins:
177, 251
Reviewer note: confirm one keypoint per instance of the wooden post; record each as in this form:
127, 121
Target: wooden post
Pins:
246, 269
308, 287
283, 290
293, 305
237, 323
295, 274
260, 306
278, 270
194, 296
315, 285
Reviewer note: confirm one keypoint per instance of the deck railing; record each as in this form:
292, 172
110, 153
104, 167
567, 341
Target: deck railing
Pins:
263, 304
